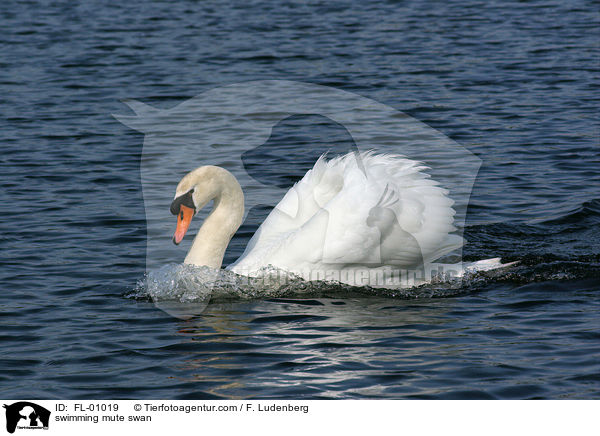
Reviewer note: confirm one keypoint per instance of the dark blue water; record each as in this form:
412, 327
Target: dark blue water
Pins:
514, 82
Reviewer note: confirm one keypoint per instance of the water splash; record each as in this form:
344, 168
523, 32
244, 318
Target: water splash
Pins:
185, 290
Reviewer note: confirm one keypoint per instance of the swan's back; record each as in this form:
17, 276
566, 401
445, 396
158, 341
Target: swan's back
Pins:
360, 210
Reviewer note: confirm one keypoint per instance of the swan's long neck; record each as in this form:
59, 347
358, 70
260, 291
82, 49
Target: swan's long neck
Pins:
223, 221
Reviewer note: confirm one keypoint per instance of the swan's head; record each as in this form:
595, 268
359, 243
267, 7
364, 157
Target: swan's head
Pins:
193, 192
184, 207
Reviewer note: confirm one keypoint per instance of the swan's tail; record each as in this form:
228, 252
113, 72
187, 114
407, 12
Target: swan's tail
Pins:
485, 265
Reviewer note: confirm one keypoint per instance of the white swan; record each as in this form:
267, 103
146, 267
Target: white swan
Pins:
349, 219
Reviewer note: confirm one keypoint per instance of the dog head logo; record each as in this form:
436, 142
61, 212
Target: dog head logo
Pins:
26, 415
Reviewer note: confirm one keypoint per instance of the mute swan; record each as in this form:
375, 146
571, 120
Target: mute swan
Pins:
355, 214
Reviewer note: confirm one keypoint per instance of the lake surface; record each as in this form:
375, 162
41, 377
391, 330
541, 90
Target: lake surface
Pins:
515, 83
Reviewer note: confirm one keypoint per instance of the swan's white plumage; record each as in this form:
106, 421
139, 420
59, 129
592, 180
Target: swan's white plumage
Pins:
360, 210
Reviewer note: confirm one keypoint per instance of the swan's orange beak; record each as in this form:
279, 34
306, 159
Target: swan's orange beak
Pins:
184, 218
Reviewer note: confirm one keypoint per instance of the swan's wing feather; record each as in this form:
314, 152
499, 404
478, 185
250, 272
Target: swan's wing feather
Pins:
364, 209
287, 221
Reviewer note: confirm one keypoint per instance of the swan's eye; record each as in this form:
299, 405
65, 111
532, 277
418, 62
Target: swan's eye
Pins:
185, 200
